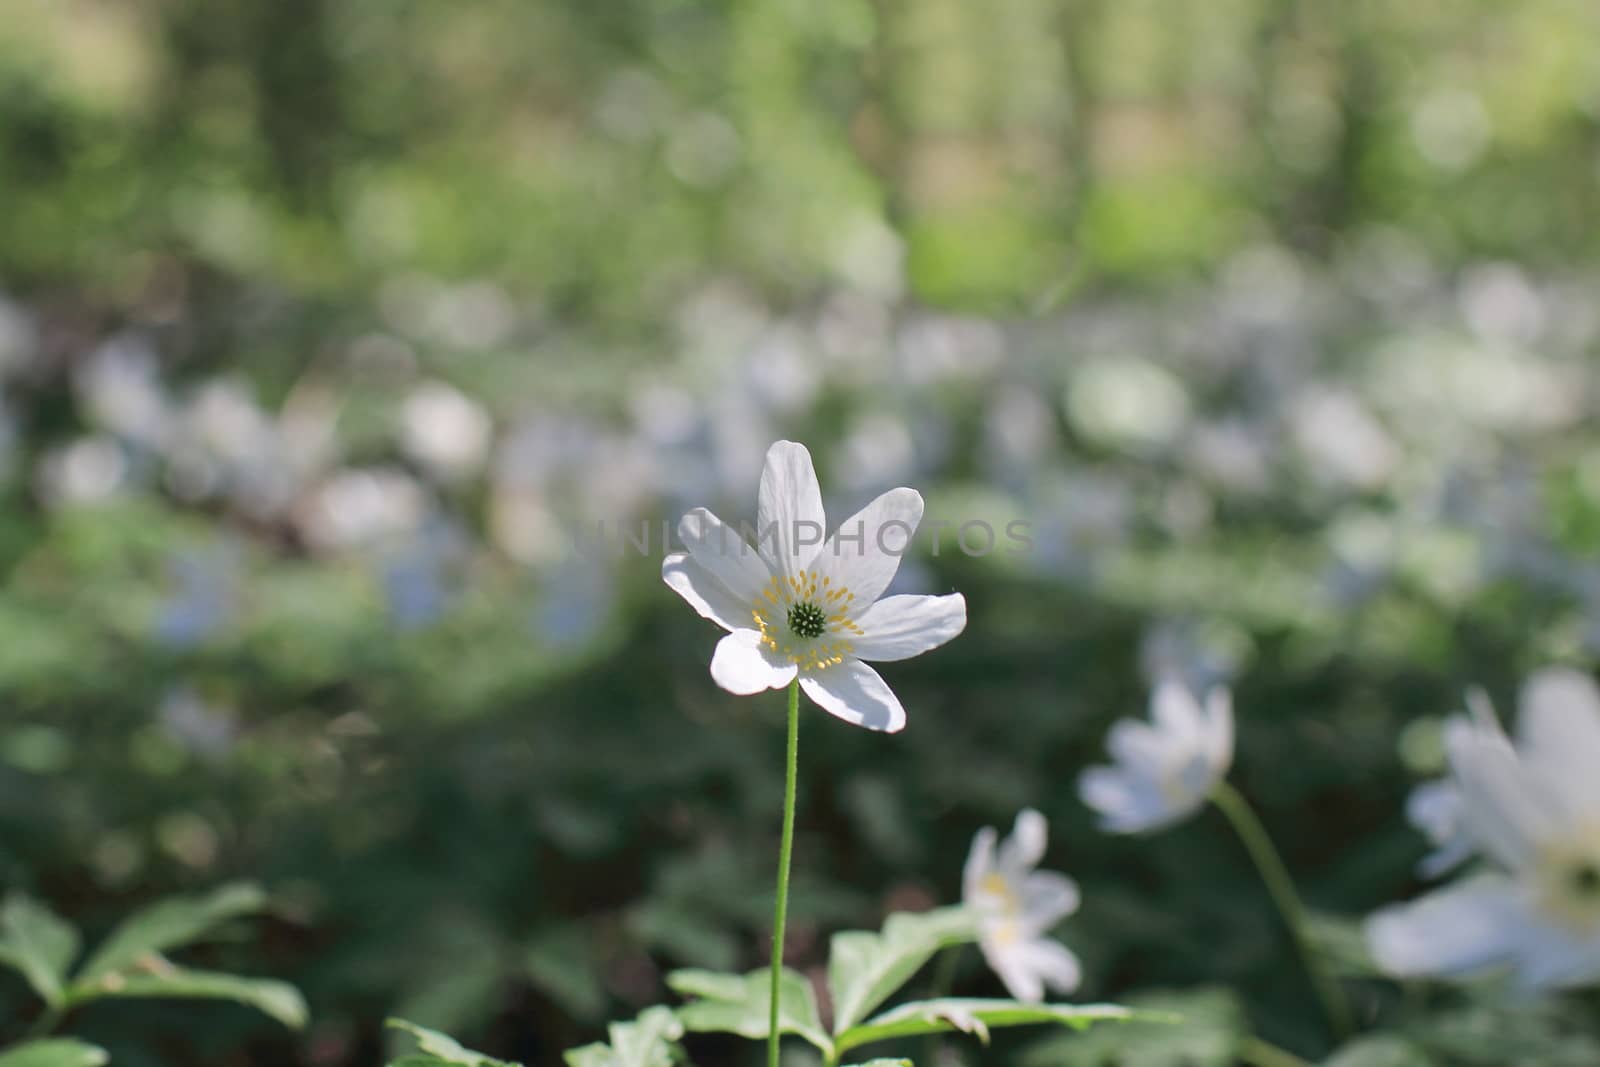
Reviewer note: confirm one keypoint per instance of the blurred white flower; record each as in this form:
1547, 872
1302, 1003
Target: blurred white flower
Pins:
19, 337
1435, 809
1019, 431
358, 508
1127, 402
1341, 439
1533, 810
88, 471
119, 388
1231, 453
796, 606
1017, 905
1165, 769
445, 430
876, 450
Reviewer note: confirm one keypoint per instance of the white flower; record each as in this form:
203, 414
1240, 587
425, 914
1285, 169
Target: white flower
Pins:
796, 605
1435, 809
1016, 906
1164, 769
445, 430
1533, 810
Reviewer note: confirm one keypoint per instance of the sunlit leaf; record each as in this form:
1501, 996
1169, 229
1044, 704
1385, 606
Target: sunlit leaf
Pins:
977, 1016
37, 942
741, 1004
645, 1042
159, 978
440, 1048
1206, 1033
865, 968
54, 1052
168, 924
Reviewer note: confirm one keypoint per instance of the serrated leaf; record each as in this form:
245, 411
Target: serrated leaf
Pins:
54, 1052
440, 1048
741, 1004
977, 1015
865, 968
280, 1000
1211, 1025
169, 924
39, 943
645, 1042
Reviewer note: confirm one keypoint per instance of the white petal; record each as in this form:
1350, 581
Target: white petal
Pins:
1054, 962
855, 693
723, 553
1219, 729
1559, 710
1463, 929
1503, 809
1176, 713
1022, 851
1559, 733
1552, 956
1008, 962
1435, 809
1127, 804
703, 592
864, 553
790, 522
899, 627
741, 666
1139, 747
980, 861
1446, 858
1047, 898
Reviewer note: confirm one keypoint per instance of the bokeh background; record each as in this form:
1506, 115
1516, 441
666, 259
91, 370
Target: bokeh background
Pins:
325, 325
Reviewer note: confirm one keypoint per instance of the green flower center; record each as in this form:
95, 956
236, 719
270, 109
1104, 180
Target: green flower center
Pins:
807, 620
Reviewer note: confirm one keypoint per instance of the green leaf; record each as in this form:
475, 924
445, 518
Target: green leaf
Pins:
561, 963
161, 979
883, 1063
865, 968
1379, 1050
976, 1016
645, 1042
1341, 941
440, 1048
1207, 1035
741, 1004
168, 924
55, 1052
37, 942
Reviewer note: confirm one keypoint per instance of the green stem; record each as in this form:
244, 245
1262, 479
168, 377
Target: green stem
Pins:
780, 912
1238, 812
1259, 1053
944, 977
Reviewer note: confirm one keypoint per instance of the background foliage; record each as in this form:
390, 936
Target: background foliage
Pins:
328, 328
